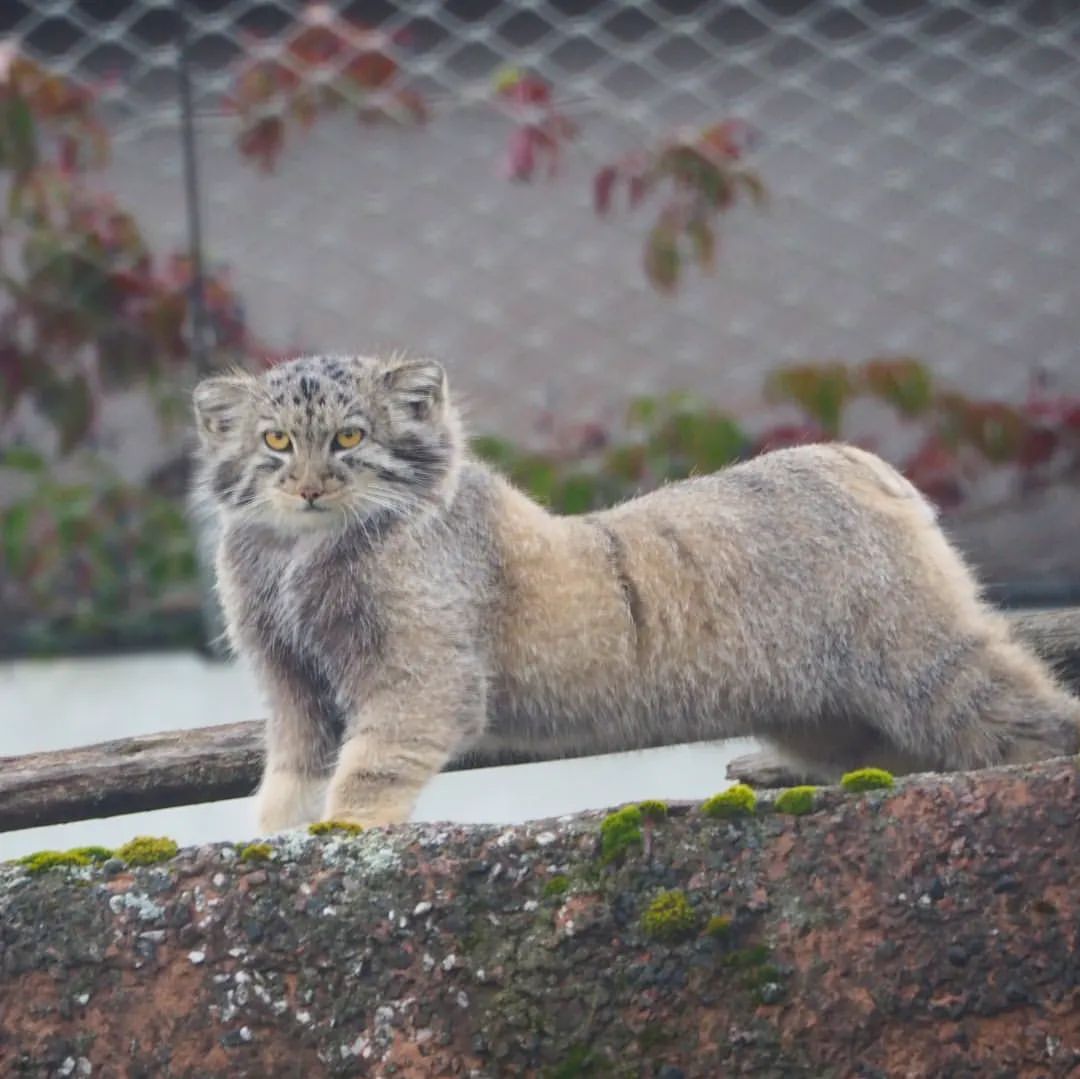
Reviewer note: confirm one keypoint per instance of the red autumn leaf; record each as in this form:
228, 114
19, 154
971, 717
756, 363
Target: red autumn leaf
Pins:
410, 105
1037, 447
371, 70
603, 186
637, 188
13, 377
263, 142
519, 162
934, 470
519, 89
69, 154
729, 139
591, 437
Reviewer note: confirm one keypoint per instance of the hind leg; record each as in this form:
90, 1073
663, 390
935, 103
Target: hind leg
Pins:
987, 702
993, 703
1028, 716
820, 757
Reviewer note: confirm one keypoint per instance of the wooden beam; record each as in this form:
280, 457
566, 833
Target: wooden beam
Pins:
209, 764
154, 771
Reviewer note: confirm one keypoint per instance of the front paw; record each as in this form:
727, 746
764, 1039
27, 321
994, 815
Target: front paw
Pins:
366, 815
287, 800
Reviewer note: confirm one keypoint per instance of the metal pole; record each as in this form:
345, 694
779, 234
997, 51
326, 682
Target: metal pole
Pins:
203, 524
199, 324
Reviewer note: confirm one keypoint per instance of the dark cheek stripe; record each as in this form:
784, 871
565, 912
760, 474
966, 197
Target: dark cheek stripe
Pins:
225, 478
428, 462
247, 495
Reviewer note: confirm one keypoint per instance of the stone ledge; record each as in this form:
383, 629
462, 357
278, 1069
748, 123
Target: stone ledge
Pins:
925, 931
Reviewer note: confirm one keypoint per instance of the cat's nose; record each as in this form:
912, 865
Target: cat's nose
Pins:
310, 494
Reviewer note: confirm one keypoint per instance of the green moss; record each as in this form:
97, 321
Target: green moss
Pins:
747, 958
719, 926
579, 1061
557, 885
147, 850
867, 779
95, 854
765, 984
654, 1036
619, 832
795, 800
653, 809
669, 917
256, 852
330, 827
42, 860
755, 972
736, 801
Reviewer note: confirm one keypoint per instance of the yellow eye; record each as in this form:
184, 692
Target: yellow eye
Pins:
348, 438
278, 440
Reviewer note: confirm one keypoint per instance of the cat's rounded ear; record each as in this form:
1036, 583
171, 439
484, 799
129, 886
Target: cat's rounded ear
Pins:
417, 384
218, 403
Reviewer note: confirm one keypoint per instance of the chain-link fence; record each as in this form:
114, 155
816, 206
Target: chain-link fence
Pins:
921, 161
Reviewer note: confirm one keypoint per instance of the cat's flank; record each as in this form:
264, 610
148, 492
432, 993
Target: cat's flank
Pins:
402, 602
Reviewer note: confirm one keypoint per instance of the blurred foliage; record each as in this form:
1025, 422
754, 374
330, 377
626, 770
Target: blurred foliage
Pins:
92, 562
324, 64
540, 128
87, 309
702, 176
85, 306
959, 439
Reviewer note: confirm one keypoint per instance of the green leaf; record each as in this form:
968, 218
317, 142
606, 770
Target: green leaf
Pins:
703, 440
69, 406
627, 463
662, 260
14, 528
496, 451
822, 390
753, 185
23, 459
718, 441
641, 411
904, 383
20, 136
703, 244
537, 475
576, 494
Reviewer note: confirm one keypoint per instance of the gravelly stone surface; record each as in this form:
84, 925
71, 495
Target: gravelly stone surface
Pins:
928, 931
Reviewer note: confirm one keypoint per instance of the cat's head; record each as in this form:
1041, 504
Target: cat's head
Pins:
322, 441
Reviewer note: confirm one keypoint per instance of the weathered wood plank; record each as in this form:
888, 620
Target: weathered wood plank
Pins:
154, 771
208, 764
